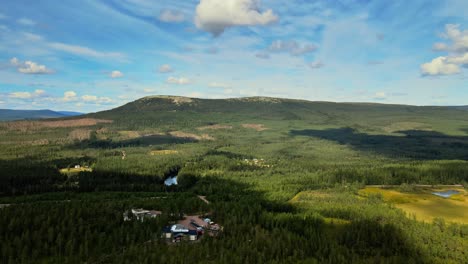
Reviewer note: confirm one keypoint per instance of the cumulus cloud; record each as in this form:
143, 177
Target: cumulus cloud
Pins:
27, 95
165, 68
171, 16
292, 47
29, 67
216, 16
89, 98
26, 22
95, 99
439, 66
116, 74
457, 53
20, 95
316, 65
380, 96
458, 37
179, 81
69, 96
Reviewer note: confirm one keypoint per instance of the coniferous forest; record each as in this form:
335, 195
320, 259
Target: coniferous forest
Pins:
290, 182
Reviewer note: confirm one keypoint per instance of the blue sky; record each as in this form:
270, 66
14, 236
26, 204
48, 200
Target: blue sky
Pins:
91, 55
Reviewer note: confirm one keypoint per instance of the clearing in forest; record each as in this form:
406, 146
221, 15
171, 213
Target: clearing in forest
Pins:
258, 127
214, 127
163, 152
71, 171
424, 205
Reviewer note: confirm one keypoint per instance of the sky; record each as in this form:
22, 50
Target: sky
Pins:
91, 55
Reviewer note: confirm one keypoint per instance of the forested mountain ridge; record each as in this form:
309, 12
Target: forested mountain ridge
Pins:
184, 112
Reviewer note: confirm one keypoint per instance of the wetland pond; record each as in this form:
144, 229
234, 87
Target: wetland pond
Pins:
446, 194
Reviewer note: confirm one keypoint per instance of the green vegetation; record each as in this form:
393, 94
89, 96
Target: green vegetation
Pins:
286, 179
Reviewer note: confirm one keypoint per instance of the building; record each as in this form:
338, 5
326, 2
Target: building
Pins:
178, 233
141, 214
178, 228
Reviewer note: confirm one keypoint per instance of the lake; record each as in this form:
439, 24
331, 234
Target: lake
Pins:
171, 181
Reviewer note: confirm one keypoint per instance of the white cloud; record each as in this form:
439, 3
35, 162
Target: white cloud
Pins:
116, 74
69, 96
26, 22
170, 16
461, 59
457, 49
179, 81
27, 95
458, 37
291, 46
2, 16
20, 95
439, 66
29, 67
316, 64
215, 16
380, 96
85, 51
89, 98
15, 62
219, 85
93, 99
165, 68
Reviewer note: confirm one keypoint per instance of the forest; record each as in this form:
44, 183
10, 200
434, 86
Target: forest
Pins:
283, 177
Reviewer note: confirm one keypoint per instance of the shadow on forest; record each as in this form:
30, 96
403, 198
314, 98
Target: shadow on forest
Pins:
135, 142
274, 230
415, 144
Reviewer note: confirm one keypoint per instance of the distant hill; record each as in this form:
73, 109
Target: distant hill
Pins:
10, 115
461, 107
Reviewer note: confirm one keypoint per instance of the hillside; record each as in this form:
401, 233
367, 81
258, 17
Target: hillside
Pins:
172, 112
9, 115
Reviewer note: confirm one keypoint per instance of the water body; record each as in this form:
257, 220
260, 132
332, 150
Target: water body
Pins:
171, 181
446, 194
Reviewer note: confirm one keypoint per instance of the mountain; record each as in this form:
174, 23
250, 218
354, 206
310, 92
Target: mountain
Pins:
175, 113
10, 115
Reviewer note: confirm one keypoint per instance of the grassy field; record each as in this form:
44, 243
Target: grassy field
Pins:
423, 205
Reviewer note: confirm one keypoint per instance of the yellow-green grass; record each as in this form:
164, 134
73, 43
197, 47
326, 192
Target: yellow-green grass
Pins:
163, 152
71, 171
425, 206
